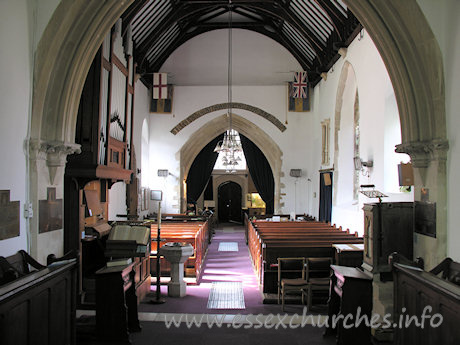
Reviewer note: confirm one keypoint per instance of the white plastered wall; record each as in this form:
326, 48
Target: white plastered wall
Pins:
15, 84
188, 99
442, 16
301, 142
379, 132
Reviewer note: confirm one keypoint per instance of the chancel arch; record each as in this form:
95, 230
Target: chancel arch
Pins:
213, 128
409, 50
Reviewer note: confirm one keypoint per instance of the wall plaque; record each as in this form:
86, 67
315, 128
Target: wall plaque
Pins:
9, 216
50, 217
425, 218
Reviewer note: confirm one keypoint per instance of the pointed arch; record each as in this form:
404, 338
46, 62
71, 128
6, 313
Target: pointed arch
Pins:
408, 48
222, 106
347, 79
200, 138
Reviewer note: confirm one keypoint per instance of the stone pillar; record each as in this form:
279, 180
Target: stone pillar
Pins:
430, 182
46, 161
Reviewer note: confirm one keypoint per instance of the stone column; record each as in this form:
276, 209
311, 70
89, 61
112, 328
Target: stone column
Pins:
430, 183
46, 161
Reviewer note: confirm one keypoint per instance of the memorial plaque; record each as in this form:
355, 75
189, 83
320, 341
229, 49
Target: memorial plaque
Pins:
50, 217
9, 216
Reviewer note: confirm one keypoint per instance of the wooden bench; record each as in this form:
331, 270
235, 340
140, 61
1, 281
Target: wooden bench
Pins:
38, 307
267, 241
195, 233
416, 291
450, 270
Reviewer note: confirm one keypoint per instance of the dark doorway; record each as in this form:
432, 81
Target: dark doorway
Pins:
325, 196
229, 202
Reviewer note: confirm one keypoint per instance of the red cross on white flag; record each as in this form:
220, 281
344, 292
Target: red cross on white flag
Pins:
160, 85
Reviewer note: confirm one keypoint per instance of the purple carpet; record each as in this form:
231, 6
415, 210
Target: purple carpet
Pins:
220, 266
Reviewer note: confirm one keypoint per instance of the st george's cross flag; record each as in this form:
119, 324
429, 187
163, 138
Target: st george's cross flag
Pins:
300, 84
160, 86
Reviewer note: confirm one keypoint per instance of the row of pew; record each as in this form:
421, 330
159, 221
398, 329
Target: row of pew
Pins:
268, 241
197, 233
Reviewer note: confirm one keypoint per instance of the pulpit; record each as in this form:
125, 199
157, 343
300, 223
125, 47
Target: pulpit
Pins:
177, 253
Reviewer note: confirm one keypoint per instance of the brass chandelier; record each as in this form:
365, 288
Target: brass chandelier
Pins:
230, 146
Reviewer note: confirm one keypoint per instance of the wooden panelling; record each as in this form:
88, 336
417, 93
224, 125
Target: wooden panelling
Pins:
39, 308
415, 291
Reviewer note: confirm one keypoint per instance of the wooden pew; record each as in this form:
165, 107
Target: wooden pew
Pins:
195, 233
267, 241
417, 291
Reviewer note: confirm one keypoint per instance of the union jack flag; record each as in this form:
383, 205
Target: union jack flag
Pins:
299, 87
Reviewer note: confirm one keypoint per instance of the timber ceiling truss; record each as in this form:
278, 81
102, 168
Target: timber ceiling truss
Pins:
313, 31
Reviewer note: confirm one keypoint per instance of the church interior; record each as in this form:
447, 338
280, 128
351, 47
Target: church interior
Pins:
281, 167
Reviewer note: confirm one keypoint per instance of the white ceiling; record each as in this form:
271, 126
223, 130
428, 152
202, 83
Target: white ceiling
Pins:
257, 60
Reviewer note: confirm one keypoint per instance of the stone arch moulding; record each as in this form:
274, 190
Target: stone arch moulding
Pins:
213, 128
61, 61
345, 75
222, 106
399, 29
414, 63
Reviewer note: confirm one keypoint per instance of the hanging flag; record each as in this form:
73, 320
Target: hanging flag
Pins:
160, 85
163, 106
297, 104
300, 85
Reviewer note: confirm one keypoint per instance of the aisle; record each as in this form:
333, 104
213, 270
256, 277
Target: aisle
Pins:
220, 266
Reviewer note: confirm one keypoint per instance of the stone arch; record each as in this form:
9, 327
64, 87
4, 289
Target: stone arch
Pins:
213, 128
346, 74
222, 106
400, 32
414, 63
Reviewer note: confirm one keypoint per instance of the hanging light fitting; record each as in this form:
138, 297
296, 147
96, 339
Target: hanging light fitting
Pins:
230, 146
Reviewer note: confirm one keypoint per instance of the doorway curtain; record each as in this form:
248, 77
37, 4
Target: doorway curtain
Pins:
261, 173
201, 170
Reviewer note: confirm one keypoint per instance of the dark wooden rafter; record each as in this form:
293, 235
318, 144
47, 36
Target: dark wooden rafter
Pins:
145, 26
256, 27
312, 30
180, 13
336, 17
285, 15
130, 13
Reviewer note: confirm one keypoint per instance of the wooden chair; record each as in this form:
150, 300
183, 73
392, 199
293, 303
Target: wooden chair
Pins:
291, 277
318, 277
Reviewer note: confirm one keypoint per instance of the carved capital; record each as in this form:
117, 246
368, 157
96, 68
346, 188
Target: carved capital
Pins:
54, 152
423, 152
57, 152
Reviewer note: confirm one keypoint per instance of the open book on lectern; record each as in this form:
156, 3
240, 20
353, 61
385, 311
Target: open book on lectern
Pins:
128, 241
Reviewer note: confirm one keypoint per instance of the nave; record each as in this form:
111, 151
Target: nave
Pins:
240, 310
